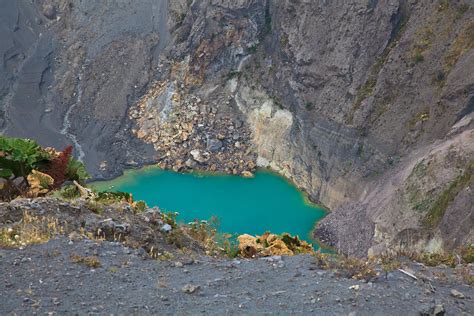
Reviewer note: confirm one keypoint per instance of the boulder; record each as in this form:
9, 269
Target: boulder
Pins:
166, 228
248, 245
39, 183
214, 145
277, 248
49, 11
196, 154
190, 163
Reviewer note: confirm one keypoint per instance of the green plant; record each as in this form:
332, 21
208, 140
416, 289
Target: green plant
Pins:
284, 40
114, 197
439, 77
19, 156
230, 246
443, 5
463, 8
176, 237
309, 106
170, 219
418, 58
139, 207
252, 49
68, 192
95, 207
233, 74
76, 170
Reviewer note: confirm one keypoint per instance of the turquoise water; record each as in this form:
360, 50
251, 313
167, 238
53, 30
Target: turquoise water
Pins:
266, 202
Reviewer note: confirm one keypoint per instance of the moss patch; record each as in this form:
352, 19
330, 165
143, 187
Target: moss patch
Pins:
436, 212
462, 43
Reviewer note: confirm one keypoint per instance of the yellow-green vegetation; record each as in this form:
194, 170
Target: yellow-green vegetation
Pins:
349, 267
436, 212
423, 43
463, 42
95, 207
443, 5
115, 197
176, 237
30, 230
89, 261
419, 117
284, 40
365, 269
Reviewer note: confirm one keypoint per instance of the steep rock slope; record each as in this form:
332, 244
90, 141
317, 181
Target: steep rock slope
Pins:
366, 105
348, 100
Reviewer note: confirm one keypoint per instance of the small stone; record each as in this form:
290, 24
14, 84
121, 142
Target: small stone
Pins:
435, 310
196, 154
166, 228
178, 264
354, 287
190, 288
457, 294
190, 163
247, 174
49, 11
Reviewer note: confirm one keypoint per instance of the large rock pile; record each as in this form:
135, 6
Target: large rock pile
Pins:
189, 134
272, 245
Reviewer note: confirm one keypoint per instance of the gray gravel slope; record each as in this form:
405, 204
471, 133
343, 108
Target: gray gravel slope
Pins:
42, 279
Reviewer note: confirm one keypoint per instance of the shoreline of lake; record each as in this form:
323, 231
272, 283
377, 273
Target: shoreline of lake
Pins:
211, 193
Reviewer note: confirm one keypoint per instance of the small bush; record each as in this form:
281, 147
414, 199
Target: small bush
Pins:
58, 167
233, 74
68, 192
139, 206
418, 58
90, 261
252, 49
346, 266
95, 207
115, 197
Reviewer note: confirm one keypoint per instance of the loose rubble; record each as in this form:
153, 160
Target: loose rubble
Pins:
188, 134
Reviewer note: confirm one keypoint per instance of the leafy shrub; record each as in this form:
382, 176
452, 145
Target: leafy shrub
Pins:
112, 197
140, 207
69, 192
418, 58
19, 156
95, 207
58, 167
76, 170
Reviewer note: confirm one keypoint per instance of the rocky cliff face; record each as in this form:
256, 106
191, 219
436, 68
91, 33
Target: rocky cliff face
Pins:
366, 105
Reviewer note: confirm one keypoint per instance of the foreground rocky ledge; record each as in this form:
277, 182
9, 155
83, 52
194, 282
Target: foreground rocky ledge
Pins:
49, 278
118, 260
